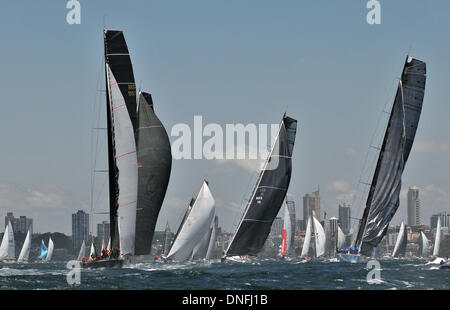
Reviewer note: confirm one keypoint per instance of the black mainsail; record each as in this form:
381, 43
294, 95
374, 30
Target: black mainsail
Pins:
121, 93
268, 194
383, 199
154, 165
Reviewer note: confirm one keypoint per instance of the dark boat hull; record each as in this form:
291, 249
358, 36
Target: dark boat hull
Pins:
112, 263
445, 265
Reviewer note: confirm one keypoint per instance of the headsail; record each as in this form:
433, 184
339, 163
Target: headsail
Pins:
93, 251
213, 237
155, 163
82, 252
43, 251
25, 252
7, 248
307, 242
437, 240
319, 236
268, 194
195, 227
424, 245
122, 123
50, 250
400, 244
383, 199
340, 239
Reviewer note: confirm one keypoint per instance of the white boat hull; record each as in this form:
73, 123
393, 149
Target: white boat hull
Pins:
350, 258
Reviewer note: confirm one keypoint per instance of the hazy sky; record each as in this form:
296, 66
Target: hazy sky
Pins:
231, 62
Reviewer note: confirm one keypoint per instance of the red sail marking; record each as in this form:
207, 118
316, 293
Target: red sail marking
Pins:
119, 106
126, 204
284, 243
126, 154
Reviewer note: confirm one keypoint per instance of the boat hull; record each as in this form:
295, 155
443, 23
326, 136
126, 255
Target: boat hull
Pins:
350, 258
112, 263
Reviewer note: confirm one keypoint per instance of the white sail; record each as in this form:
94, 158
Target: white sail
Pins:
399, 240
82, 252
425, 245
201, 248
287, 226
93, 251
307, 241
437, 240
109, 245
103, 246
212, 239
340, 239
7, 248
320, 238
126, 161
25, 252
195, 227
50, 250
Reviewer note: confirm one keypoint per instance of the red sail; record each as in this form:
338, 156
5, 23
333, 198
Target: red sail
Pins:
284, 243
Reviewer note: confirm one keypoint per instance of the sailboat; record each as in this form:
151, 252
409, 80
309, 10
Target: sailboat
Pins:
341, 238
7, 247
288, 233
437, 244
154, 166
401, 242
46, 253
122, 158
383, 198
267, 196
212, 238
307, 241
25, 252
189, 241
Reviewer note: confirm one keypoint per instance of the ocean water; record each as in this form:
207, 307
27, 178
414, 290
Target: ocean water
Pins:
257, 275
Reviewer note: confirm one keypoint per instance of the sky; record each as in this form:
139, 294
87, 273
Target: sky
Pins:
230, 62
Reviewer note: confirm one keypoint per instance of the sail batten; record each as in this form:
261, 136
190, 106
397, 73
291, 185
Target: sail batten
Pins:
268, 194
383, 199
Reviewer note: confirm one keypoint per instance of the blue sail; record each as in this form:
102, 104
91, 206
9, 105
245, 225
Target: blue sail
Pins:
43, 251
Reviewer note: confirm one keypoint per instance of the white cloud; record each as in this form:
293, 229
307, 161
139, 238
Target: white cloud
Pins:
431, 147
350, 151
339, 186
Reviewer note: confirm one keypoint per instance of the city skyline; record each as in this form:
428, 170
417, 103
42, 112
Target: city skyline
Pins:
214, 60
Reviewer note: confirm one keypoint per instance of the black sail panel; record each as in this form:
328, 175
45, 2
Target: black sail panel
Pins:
383, 199
118, 60
268, 195
154, 166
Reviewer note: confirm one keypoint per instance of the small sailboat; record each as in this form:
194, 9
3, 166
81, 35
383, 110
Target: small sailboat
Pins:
401, 242
341, 238
7, 247
267, 196
25, 252
190, 242
307, 241
437, 244
383, 198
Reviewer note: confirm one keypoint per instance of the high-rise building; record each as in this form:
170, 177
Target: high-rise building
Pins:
277, 227
311, 202
413, 206
434, 220
103, 233
445, 219
19, 225
80, 229
345, 215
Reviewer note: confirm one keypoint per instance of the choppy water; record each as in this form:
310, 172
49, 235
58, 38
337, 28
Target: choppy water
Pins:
258, 275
